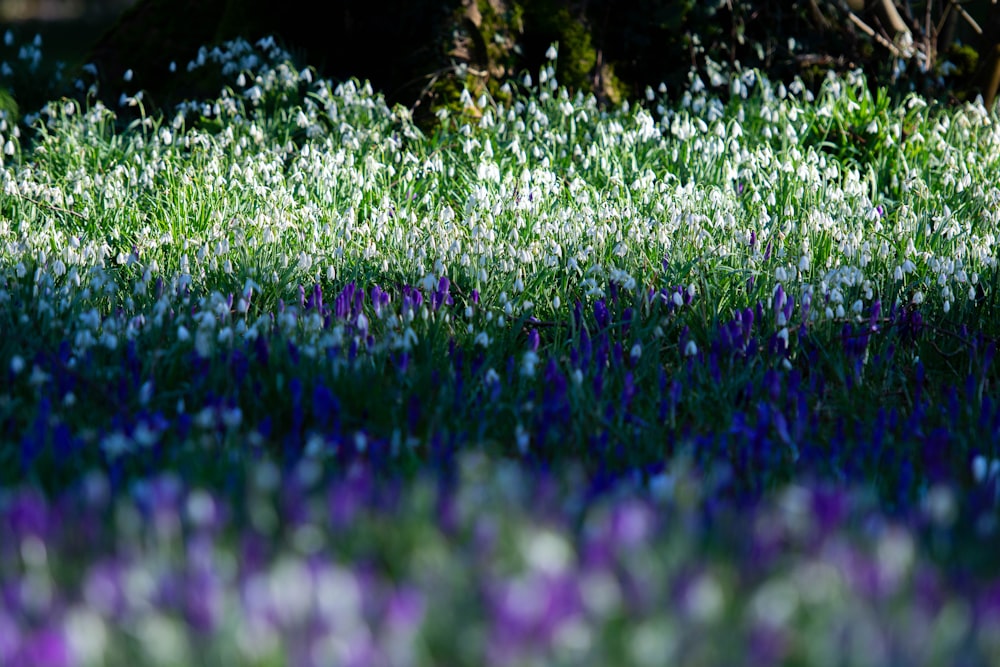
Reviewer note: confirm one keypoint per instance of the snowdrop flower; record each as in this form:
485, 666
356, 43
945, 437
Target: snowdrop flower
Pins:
128, 75
144, 435
16, 364
636, 352
528, 363
145, 392
205, 418
984, 469
232, 418
115, 444
203, 344
38, 377
690, 349
552, 53
523, 439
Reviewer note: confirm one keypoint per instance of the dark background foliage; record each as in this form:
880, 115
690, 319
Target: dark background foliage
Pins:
421, 53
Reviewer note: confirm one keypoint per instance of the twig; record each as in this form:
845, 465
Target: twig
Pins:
867, 29
968, 17
53, 207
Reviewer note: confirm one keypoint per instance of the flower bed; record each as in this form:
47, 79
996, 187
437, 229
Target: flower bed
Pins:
288, 381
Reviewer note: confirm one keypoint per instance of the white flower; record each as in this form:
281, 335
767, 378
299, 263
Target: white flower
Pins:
523, 439
232, 418
203, 343
16, 364
128, 75
115, 444
144, 435
636, 352
690, 349
552, 53
528, 363
145, 393
984, 469
38, 377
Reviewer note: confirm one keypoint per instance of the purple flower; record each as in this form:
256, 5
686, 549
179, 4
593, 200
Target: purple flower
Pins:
533, 340
601, 314
45, 647
441, 295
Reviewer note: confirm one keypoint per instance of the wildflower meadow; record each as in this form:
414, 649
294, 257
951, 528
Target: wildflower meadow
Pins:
704, 379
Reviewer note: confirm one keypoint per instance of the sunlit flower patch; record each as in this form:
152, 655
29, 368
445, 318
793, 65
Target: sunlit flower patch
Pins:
289, 380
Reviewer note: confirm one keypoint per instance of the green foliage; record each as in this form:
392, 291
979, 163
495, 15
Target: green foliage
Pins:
8, 105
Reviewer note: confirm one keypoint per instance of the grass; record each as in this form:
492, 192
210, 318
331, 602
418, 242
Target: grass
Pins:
311, 386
